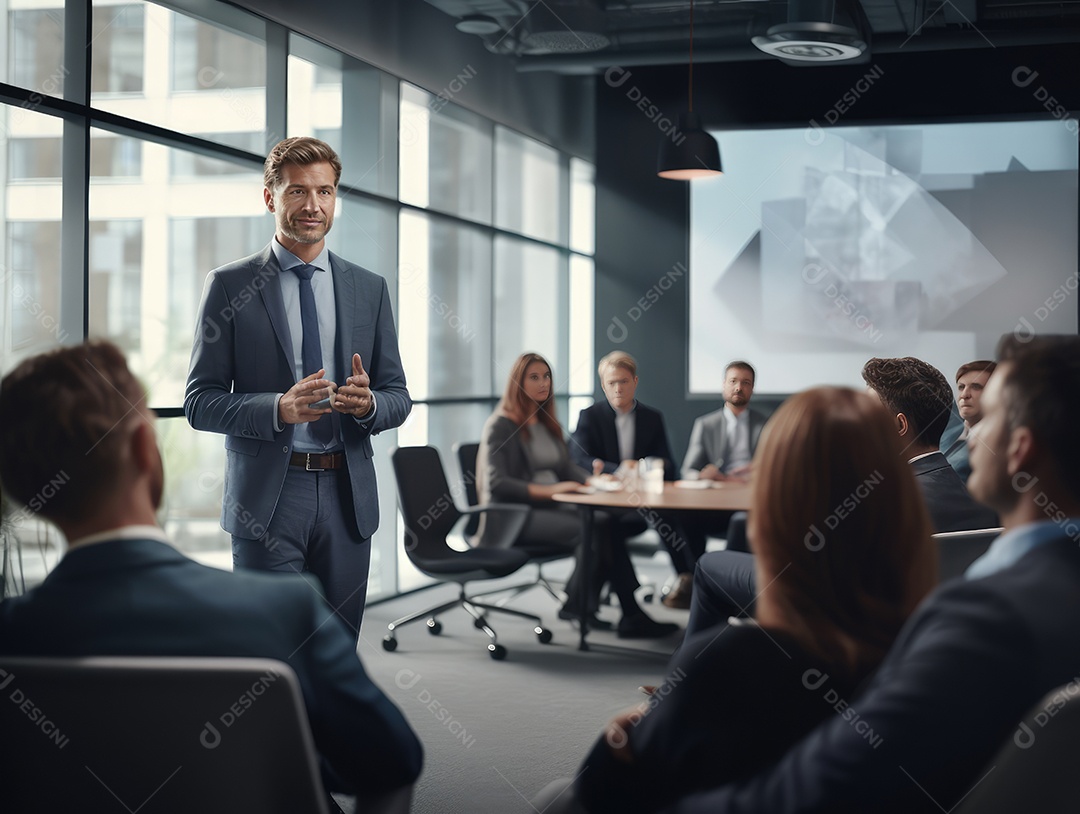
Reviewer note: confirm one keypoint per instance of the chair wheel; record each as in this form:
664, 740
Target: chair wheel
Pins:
480, 623
497, 651
543, 634
647, 598
389, 644
434, 627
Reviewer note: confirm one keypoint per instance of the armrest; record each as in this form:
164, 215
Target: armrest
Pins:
515, 516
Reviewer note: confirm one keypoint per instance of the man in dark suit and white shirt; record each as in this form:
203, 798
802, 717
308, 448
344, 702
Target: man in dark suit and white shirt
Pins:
614, 435
277, 332
979, 652
79, 416
971, 380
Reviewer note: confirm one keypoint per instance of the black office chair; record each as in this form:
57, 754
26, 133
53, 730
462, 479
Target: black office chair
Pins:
538, 554
160, 735
959, 549
1035, 769
428, 509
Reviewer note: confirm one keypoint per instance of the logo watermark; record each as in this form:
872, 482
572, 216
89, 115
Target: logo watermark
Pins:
814, 680
814, 133
211, 737
35, 714
814, 539
407, 679
617, 331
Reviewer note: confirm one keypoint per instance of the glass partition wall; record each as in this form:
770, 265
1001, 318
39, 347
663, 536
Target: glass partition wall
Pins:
129, 175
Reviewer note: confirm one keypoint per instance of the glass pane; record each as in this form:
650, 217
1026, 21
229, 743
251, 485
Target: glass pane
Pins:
315, 95
152, 241
530, 311
582, 373
118, 48
155, 65
582, 206
194, 478
30, 288
445, 156
529, 187
444, 297
36, 49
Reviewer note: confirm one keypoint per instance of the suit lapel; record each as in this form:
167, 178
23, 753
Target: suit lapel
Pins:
266, 277
345, 305
610, 438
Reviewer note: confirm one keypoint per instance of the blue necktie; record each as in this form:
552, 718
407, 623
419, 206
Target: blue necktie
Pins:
311, 353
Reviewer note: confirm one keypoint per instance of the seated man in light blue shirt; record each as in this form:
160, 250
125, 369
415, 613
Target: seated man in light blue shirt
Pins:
980, 651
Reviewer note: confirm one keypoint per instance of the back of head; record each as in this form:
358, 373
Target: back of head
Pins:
1041, 391
64, 418
838, 527
915, 388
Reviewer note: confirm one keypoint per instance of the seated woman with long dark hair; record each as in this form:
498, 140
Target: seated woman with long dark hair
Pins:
843, 551
523, 459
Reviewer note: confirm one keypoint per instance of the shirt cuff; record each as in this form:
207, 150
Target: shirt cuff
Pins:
367, 419
278, 426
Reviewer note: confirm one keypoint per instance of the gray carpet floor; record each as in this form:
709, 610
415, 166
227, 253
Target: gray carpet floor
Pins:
496, 732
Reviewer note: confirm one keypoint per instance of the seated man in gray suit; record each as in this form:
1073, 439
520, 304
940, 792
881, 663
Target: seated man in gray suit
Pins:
122, 590
722, 443
979, 652
971, 379
919, 397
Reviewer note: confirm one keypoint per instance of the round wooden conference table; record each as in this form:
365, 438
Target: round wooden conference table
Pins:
718, 496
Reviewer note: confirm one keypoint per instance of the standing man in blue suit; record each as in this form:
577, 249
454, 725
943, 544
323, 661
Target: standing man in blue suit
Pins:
78, 417
296, 362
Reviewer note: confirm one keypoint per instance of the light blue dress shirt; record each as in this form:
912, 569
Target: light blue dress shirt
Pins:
1007, 549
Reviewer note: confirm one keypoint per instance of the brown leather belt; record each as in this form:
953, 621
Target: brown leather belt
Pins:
314, 462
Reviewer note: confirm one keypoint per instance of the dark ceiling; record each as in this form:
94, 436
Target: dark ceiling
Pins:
589, 36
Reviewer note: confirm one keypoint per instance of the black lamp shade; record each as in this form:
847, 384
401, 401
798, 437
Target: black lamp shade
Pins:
688, 152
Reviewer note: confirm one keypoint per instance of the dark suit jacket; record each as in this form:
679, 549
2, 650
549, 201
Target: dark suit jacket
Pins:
595, 437
142, 597
957, 455
242, 359
951, 507
973, 659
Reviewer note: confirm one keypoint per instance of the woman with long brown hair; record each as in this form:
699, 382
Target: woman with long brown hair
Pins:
523, 459
841, 541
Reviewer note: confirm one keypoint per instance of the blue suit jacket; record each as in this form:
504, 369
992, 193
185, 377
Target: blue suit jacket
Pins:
973, 659
595, 437
142, 597
242, 359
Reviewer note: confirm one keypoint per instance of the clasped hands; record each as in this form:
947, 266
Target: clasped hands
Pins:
314, 396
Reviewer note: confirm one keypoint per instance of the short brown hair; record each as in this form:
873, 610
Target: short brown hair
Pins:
915, 388
1040, 390
63, 421
301, 151
980, 366
849, 555
618, 358
738, 363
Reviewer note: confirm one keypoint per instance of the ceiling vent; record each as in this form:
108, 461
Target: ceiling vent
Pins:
817, 31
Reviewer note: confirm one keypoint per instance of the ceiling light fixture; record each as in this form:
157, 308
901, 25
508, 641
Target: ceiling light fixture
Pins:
689, 152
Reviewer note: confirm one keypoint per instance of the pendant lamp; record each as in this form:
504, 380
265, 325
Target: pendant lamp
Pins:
689, 152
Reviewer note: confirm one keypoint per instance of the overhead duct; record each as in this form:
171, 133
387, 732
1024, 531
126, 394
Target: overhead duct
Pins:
817, 31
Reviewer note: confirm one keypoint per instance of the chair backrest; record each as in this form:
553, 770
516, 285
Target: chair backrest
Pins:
466, 456
959, 549
156, 735
427, 503
1036, 768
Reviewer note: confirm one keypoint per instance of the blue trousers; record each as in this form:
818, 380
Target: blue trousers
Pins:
313, 532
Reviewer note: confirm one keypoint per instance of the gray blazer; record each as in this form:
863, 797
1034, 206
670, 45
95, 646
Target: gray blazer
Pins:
707, 439
242, 358
504, 471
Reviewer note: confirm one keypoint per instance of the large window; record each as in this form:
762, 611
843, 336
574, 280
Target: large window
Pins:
483, 235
